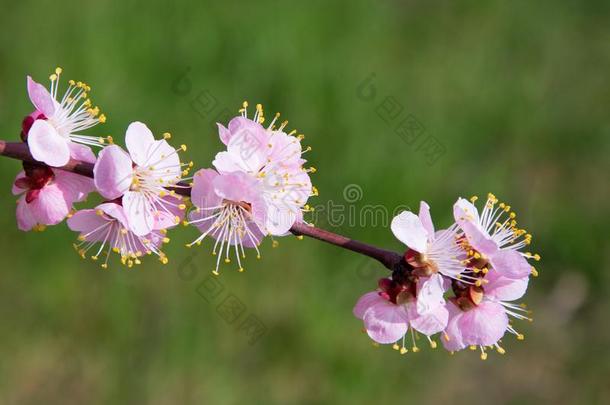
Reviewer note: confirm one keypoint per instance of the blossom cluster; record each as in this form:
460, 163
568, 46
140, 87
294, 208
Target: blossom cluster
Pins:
460, 282
258, 186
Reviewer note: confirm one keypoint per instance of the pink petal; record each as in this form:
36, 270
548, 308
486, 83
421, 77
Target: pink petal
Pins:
139, 140
165, 162
47, 145
484, 325
510, 263
258, 213
452, 337
202, 193
408, 229
16, 190
279, 220
25, 218
81, 152
113, 172
236, 187
504, 288
430, 294
223, 133
249, 148
242, 127
140, 213
224, 162
170, 214
50, 207
386, 322
467, 210
74, 186
285, 148
425, 218
478, 238
115, 211
365, 302
432, 321
88, 223
40, 97
255, 237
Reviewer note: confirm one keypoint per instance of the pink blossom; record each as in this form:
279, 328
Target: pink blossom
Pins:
478, 316
388, 314
105, 229
273, 158
429, 252
494, 236
48, 195
141, 178
229, 209
56, 123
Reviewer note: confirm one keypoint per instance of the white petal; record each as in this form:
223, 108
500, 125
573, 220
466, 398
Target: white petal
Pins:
408, 228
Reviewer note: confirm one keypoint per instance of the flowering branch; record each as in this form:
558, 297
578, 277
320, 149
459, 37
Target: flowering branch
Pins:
20, 151
460, 281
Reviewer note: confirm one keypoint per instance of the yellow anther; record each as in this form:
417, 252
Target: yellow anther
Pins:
415, 349
395, 346
58, 70
500, 350
216, 273
241, 269
520, 336
483, 356
183, 147
99, 212
165, 240
182, 206
534, 272
102, 118
300, 237
403, 350
227, 260
275, 244
433, 344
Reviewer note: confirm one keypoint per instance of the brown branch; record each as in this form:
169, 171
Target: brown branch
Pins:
391, 260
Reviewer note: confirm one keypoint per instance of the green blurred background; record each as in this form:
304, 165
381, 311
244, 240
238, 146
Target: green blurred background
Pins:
517, 94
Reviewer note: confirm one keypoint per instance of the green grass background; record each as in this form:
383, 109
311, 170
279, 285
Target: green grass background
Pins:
518, 94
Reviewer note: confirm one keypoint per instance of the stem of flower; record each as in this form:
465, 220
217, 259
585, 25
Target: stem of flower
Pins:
391, 260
